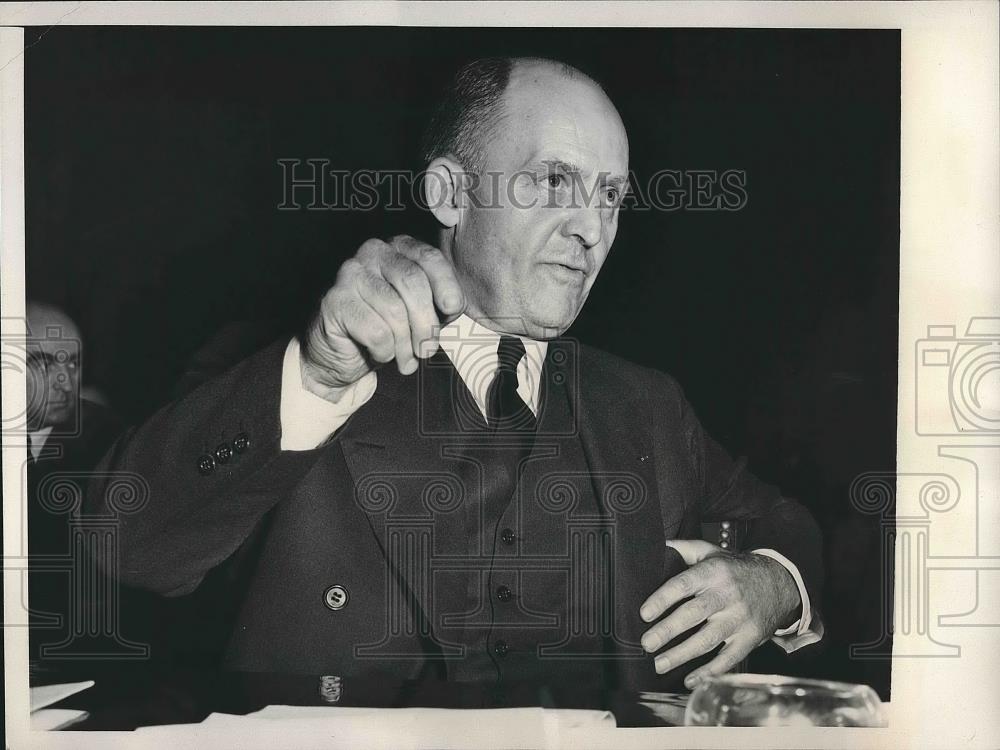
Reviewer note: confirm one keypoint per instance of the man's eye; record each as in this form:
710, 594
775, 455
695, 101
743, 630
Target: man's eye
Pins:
66, 360
555, 180
612, 196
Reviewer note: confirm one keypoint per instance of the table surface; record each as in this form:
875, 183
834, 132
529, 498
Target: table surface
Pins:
140, 697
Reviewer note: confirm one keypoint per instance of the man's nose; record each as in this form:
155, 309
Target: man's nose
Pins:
586, 224
64, 379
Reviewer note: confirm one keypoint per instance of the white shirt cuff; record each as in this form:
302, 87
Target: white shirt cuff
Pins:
804, 631
308, 420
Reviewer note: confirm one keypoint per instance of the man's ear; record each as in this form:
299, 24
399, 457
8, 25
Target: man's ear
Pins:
443, 187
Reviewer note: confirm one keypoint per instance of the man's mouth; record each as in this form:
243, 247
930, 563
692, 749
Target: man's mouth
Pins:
569, 271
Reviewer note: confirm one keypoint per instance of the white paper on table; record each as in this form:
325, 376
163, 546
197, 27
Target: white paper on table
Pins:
565, 718
46, 695
397, 727
49, 719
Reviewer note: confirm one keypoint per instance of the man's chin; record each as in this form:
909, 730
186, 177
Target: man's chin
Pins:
550, 324
60, 416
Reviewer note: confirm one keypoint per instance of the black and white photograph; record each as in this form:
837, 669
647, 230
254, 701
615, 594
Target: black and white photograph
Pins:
474, 384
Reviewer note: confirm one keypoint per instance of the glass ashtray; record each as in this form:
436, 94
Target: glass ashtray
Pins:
761, 700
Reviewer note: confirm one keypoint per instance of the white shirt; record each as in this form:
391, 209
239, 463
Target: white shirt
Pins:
37, 440
307, 420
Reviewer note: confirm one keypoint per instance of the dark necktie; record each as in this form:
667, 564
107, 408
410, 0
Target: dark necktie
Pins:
506, 411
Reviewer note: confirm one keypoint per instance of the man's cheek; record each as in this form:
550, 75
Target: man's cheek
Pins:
523, 194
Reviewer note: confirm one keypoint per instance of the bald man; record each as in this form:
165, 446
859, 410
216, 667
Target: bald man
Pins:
67, 437
433, 481
53, 372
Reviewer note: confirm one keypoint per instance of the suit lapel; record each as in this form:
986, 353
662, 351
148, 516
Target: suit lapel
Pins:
393, 449
616, 432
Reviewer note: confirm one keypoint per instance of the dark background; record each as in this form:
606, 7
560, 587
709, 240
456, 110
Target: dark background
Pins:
152, 187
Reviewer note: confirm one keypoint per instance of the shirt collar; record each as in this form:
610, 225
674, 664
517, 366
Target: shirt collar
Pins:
472, 349
37, 440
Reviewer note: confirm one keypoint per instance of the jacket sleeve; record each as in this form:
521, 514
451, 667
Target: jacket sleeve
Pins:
205, 470
728, 491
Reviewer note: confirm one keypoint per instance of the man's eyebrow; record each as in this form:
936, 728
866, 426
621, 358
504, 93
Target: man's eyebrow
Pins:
565, 166
49, 357
571, 168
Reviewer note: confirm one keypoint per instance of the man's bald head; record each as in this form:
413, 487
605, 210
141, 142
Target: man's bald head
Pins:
53, 375
43, 317
472, 109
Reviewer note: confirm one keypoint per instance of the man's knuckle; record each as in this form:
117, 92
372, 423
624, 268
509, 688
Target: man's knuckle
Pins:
656, 601
370, 249
708, 638
378, 334
428, 254
349, 309
349, 269
331, 307
685, 584
413, 277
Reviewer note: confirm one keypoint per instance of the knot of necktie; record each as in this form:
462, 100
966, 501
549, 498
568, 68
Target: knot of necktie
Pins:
506, 410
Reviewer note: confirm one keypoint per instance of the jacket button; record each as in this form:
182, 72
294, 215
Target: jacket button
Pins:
223, 453
335, 597
241, 442
500, 648
507, 536
504, 594
206, 465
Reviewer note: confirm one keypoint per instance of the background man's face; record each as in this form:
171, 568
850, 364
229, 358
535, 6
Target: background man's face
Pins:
53, 377
547, 212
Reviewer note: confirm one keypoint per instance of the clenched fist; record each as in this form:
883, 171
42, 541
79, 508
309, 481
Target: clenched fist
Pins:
387, 303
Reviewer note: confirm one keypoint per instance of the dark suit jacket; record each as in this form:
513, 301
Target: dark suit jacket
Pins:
292, 522
62, 470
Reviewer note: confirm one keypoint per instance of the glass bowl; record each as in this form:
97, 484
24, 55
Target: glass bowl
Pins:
761, 700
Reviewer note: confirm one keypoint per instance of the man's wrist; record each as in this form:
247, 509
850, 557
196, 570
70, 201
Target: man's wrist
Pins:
311, 383
789, 601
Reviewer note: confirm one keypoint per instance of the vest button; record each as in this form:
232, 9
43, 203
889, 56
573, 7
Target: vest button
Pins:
507, 536
500, 648
504, 594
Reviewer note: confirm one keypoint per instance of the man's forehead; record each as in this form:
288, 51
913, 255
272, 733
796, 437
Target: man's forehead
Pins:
51, 330
56, 344
554, 117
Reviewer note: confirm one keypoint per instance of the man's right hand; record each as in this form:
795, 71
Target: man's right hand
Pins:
388, 302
